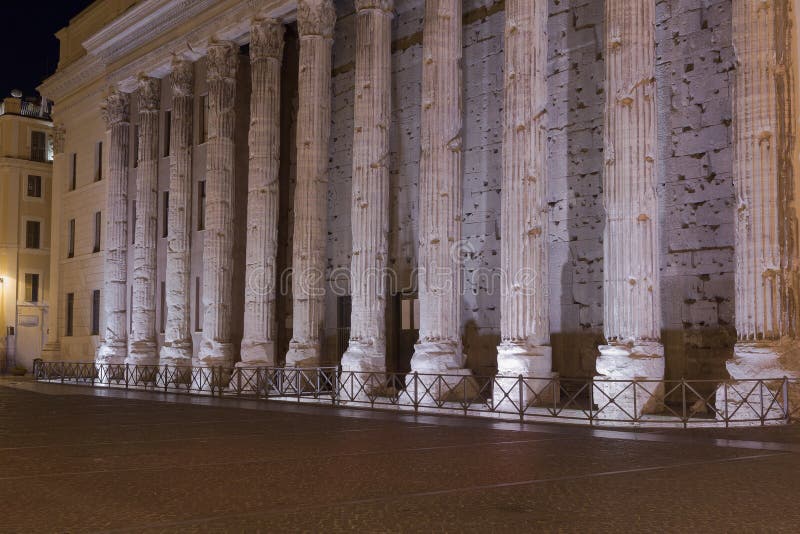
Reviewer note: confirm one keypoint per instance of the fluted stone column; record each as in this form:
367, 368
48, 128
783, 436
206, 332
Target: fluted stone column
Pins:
370, 198
114, 346
143, 308
524, 306
767, 275
764, 173
439, 349
315, 21
266, 56
631, 306
52, 348
216, 347
177, 348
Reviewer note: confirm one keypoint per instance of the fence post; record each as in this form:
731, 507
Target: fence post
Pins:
683, 402
591, 401
635, 411
725, 397
416, 398
785, 394
520, 397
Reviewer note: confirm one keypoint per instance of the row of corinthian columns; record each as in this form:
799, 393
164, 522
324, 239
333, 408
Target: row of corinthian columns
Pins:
766, 242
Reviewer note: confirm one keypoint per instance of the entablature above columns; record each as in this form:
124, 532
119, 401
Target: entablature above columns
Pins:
145, 40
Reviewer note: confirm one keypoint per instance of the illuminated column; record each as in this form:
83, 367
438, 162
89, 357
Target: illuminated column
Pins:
767, 275
52, 348
114, 346
315, 21
631, 306
370, 201
177, 348
266, 54
439, 348
524, 306
216, 347
143, 308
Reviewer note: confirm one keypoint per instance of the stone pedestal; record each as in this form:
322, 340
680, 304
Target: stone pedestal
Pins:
114, 344
315, 21
142, 350
630, 382
524, 377
631, 286
216, 347
177, 348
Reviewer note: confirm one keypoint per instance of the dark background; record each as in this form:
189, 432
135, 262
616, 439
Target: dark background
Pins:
28, 41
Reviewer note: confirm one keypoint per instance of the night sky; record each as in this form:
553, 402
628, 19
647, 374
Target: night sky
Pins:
30, 48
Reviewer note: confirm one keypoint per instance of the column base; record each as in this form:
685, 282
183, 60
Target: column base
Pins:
363, 372
214, 353
532, 362
176, 354
142, 353
112, 353
257, 353
303, 354
617, 396
438, 374
755, 395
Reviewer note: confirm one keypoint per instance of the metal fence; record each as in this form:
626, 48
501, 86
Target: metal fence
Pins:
598, 401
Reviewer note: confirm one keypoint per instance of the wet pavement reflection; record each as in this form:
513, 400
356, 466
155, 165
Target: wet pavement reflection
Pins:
79, 460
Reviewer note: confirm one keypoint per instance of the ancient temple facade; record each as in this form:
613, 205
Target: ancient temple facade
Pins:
580, 188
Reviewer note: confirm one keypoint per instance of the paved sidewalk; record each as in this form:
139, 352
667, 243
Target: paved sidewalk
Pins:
77, 459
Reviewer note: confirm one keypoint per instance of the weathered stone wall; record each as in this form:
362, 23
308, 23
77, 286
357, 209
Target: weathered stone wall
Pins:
694, 59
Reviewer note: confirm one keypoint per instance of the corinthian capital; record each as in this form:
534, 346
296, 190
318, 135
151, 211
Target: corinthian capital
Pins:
221, 58
381, 5
316, 17
116, 107
149, 93
182, 77
266, 39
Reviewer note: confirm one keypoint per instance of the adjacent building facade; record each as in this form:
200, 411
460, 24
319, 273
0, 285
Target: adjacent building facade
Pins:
26, 154
444, 186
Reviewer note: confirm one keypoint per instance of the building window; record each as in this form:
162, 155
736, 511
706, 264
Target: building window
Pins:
38, 146
133, 222
165, 214
34, 186
73, 172
201, 205
163, 307
202, 120
71, 238
70, 311
167, 129
98, 219
409, 313
343, 308
135, 146
98, 161
31, 287
95, 312
32, 234
198, 326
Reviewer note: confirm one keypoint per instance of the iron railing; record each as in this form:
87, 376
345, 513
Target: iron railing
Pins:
676, 403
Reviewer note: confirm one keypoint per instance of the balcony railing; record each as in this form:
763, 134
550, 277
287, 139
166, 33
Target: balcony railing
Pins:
680, 403
25, 109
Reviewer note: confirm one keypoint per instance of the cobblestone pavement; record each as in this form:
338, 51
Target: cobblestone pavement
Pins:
75, 459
